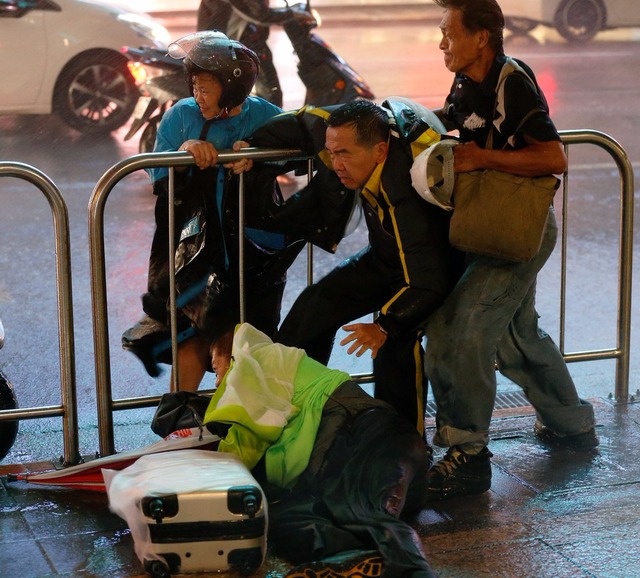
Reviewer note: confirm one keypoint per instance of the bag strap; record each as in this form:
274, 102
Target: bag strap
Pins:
205, 128
522, 123
509, 67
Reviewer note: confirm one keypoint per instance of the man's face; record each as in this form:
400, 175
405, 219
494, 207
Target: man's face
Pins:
461, 49
207, 92
353, 163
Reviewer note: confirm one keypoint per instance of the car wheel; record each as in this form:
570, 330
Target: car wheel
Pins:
520, 25
580, 20
95, 93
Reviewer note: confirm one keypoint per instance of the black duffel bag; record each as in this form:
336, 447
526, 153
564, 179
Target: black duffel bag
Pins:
184, 410
180, 410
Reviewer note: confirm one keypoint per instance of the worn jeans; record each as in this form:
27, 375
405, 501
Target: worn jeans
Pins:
490, 319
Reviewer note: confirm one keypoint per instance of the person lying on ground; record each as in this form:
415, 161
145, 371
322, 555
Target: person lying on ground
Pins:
339, 467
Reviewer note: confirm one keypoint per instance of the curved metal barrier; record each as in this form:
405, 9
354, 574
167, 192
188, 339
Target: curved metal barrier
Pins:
68, 409
105, 402
106, 405
622, 352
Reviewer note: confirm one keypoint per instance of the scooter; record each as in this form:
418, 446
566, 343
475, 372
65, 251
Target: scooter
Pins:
326, 76
161, 79
8, 429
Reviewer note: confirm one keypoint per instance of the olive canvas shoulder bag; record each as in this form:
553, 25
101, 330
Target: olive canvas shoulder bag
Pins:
498, 214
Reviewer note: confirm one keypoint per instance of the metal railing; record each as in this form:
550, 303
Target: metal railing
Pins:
622, 352
68, 409
106, 405
105, 402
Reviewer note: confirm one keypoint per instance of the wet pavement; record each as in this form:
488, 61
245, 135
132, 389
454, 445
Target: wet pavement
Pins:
551, 513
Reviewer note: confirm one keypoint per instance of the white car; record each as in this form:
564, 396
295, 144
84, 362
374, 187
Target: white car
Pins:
575, 20
64, 56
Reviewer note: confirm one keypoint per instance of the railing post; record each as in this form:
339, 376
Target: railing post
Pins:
69, 407
622, 351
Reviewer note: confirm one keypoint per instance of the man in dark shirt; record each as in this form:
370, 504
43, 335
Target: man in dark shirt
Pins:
490, 316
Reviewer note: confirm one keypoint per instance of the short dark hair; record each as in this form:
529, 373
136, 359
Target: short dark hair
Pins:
480, 15
370, 121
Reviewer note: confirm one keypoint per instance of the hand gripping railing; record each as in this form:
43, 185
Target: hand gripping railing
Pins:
101, 191
68, 408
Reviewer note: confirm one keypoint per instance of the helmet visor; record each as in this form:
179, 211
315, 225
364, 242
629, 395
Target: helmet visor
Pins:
199, 47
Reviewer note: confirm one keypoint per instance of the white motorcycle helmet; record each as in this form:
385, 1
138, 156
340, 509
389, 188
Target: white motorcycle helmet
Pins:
432, 174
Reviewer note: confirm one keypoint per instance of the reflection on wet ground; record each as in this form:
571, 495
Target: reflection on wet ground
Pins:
551, 513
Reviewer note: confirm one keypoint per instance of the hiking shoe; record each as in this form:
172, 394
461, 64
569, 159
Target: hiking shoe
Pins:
581, 442
459, 474
367, 565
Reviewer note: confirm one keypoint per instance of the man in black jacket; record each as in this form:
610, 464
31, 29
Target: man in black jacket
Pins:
408, 267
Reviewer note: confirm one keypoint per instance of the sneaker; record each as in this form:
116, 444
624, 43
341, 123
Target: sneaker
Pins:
583, 441
367, 565
460, 474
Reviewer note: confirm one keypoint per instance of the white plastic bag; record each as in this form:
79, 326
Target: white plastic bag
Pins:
175, 472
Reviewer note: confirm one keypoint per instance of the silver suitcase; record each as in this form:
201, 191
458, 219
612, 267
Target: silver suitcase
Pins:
192, 511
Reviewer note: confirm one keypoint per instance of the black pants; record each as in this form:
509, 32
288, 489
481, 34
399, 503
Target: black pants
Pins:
359, 286
215, 15
154, 301
267, 84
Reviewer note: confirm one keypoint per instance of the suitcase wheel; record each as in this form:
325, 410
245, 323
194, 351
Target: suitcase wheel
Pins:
157, 569
245, 500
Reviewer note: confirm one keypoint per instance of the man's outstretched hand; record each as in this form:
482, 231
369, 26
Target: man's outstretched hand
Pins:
364, 337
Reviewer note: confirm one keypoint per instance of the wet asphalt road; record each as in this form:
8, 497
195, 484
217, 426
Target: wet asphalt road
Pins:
587, 86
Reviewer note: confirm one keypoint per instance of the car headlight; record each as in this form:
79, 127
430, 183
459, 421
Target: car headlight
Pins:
147, 28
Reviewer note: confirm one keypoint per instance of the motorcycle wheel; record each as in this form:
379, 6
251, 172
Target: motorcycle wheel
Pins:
148, 138
95, 94
8, 429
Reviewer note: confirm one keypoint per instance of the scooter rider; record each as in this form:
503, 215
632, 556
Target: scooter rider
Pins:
221, 74
248, 21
